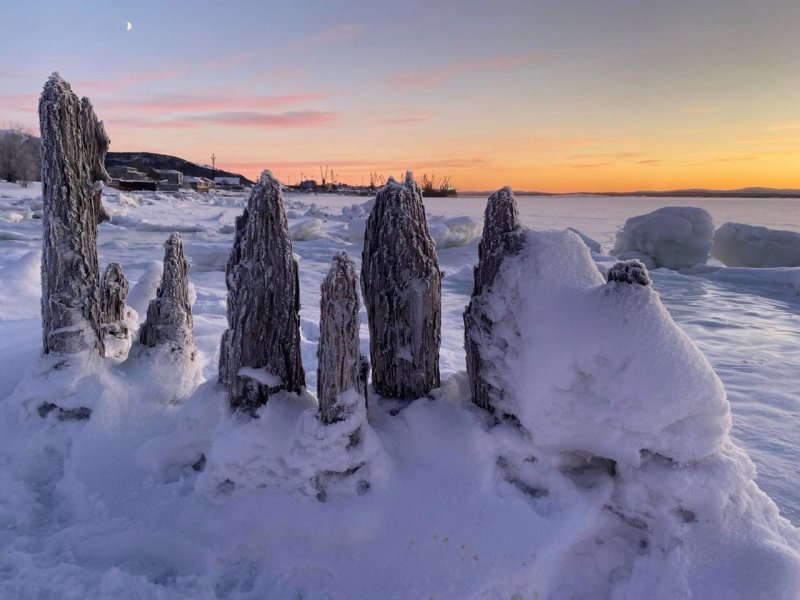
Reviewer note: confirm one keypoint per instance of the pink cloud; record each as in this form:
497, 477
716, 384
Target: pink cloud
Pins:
402, 116
286, 120
298, 118
28, 103
168, 104
120, 82
593, 165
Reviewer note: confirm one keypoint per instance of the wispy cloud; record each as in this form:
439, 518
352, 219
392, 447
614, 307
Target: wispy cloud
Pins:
254, 119
772, 140
617, 155
652, 162
120, 82
785, 127
401, 116
299, 118
169, 104
592, 165
28, 103
735, 158
433, 77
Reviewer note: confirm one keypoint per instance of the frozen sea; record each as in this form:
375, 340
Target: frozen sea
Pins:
101, 515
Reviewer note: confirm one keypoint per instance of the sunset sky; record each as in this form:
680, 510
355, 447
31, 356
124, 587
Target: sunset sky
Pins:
554, 95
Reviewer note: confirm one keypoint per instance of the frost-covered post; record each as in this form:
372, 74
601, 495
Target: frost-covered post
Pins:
502, 236
113, 294
629, 271
113, 317
260, 351
73, 148
169, 320
339, 359
402, 289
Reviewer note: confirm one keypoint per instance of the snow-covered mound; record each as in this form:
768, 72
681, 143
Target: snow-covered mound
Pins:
740, 245
613, 393
593, 245
594, 345
674, 237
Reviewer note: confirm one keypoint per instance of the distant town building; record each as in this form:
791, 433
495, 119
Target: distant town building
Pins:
127, 173
228, 181
133, 185
170, 176
198, 184
309, 185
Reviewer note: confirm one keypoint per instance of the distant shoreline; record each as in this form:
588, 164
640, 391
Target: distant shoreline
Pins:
692, 193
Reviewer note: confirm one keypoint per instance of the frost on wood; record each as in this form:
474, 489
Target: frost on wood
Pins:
340, 361
113, 294
502, 237
114, 314
629, 271
402, 292
169, 314
263, 334
73, 148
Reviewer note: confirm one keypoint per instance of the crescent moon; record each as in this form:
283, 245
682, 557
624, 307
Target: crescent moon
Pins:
128, 25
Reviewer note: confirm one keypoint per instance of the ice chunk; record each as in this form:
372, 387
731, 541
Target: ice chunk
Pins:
674, 237
305, 230
453, 232
739, 245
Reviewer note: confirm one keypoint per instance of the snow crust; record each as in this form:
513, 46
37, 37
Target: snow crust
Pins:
674, 237
740, 245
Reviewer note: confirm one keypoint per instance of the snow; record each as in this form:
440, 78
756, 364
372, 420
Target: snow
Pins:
674, 237
261, 376
740, 245
163, 493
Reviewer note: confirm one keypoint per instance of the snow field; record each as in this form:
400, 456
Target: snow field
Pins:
118, 506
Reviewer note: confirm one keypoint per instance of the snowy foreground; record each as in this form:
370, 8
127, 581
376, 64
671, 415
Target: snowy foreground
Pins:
164, 494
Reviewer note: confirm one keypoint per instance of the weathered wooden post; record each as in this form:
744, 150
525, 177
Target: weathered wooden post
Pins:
113, 294
73, 148
260, 350
169, 320
339, 358
113, 299
402, 289
502, 237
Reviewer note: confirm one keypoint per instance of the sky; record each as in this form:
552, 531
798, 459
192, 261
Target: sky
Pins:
550, 95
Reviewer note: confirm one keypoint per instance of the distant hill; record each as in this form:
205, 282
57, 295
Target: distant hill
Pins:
165, 161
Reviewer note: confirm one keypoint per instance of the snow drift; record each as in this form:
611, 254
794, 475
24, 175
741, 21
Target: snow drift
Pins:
674, 237
575, 357
739, 245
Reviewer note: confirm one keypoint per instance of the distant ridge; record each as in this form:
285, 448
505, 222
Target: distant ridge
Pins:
166, 161
748, 192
